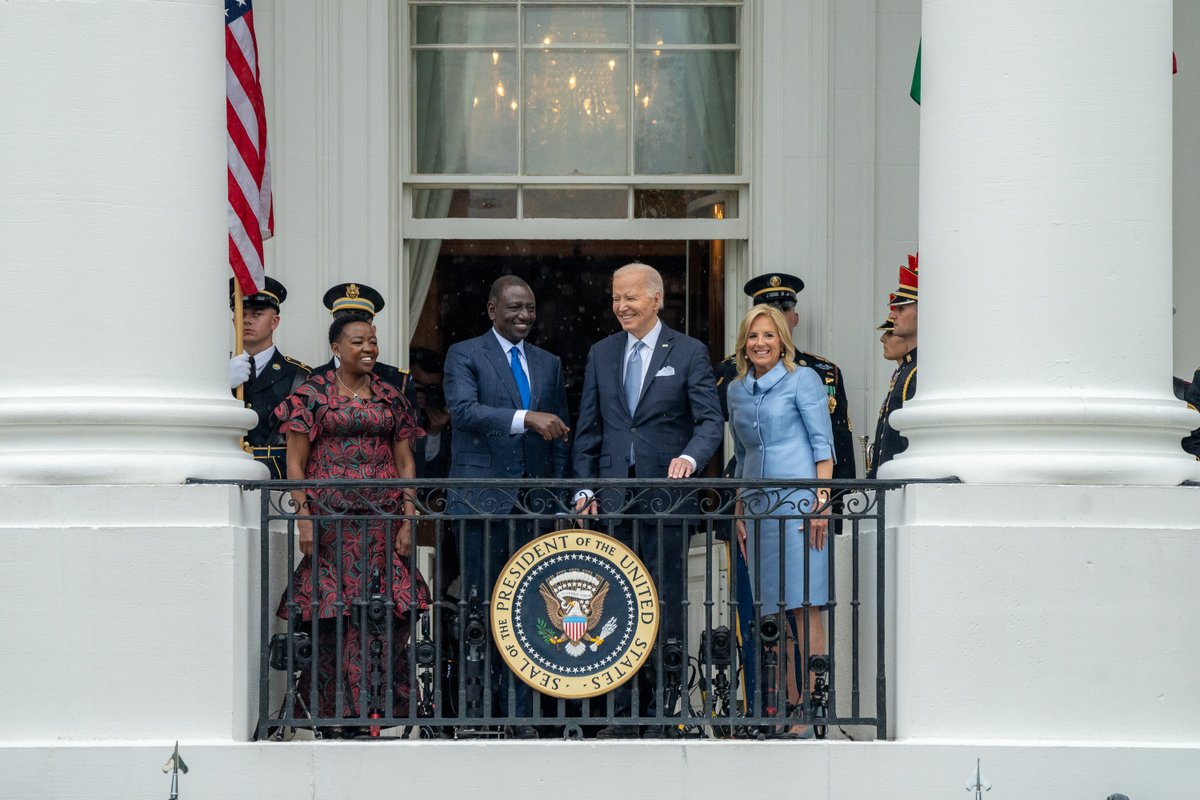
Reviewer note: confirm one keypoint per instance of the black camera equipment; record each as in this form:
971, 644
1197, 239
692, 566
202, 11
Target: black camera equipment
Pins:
716, 644
768, 640
426, 655
474, 636
716, 651
371, 614
673, 661
302, 652
818, 665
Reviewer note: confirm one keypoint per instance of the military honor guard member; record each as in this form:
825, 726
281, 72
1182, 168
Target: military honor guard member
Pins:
1191, 395
358, 298
267, 374
903, 316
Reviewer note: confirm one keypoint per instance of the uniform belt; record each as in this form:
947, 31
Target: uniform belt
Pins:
274, 457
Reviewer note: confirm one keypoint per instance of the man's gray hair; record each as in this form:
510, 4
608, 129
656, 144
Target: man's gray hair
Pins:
653, 281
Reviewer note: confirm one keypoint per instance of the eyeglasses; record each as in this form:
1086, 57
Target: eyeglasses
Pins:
785, 305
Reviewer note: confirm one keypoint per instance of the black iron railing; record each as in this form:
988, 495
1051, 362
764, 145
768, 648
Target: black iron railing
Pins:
356, 645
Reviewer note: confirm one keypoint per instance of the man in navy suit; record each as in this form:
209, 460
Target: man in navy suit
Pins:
507, 404
649, 410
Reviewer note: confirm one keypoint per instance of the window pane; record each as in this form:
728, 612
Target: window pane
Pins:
479, 203
550, 25
685, 204
575, 117
686, 25
465, 25
576, 203
465, 112
685, 112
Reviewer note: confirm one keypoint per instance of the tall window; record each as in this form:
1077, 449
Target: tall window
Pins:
559, 140
597, 110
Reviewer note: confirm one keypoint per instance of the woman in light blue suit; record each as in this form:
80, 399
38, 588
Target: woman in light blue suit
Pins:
779, 418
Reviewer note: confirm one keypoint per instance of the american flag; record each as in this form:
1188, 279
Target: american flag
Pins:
251, 216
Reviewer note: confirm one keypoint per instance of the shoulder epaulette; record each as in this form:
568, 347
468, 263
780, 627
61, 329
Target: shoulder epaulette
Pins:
296, 363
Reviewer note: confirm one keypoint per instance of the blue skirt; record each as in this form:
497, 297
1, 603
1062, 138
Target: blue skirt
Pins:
766, 551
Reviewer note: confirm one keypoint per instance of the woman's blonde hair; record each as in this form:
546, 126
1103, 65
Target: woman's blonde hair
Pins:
781, 329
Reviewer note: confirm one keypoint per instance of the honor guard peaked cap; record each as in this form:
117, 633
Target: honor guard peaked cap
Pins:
907, 293
353, 298
271, 295
887, 325
773, 287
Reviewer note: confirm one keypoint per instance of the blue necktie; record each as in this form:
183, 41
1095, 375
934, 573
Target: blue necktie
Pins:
633, 377
519, 374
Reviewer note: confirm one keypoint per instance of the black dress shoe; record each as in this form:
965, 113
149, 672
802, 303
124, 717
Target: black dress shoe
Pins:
522, 732
618, 732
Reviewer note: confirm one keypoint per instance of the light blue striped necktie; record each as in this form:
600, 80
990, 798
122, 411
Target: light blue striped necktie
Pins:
633, 377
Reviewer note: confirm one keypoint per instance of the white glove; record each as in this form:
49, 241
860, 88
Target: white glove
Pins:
239, 370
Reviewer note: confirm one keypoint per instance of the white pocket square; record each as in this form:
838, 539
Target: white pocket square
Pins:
665, 372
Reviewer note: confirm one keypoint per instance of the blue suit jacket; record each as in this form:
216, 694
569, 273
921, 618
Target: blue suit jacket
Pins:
677, 413
482, 396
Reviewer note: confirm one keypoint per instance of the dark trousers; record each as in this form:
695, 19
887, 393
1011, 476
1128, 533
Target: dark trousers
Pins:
661, 544
484, 549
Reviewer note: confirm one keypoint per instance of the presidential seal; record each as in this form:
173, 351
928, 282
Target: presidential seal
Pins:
574, 614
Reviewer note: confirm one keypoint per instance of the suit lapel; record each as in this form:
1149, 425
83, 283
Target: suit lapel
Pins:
533, 357
662, 349
498, 359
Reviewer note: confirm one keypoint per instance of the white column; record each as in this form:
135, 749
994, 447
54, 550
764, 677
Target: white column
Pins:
1045, 232
113, 251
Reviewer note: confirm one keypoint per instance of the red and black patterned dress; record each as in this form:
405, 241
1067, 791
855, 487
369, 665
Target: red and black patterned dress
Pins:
355, 558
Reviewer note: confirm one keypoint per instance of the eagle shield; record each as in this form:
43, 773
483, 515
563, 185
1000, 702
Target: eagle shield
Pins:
575, 604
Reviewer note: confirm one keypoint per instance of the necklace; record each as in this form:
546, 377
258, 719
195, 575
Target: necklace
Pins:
365, 382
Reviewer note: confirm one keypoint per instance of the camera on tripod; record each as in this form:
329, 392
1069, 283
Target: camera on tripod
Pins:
716, 645
302, 651
768, 631
370, 612
818, 664
474, 631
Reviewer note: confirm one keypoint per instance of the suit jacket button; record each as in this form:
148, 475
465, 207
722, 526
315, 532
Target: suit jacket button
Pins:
633, 430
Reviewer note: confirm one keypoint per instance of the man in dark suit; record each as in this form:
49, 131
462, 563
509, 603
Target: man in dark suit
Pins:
267, 374
649, 410
358, 298
507, 404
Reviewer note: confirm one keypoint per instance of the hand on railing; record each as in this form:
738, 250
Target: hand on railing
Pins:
585, 504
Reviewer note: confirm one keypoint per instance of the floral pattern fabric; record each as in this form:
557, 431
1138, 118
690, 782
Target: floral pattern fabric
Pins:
355, 557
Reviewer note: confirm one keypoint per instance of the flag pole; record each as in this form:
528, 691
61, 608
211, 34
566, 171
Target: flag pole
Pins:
237, 332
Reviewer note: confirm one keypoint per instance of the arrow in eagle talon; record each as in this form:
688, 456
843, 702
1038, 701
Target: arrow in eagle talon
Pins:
605, 632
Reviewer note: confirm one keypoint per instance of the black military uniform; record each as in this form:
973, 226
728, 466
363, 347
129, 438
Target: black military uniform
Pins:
777, 288
1191, 442
358, 298
888, 441
268, 386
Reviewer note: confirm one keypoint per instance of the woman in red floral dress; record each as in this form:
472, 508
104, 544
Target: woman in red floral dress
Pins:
344, 424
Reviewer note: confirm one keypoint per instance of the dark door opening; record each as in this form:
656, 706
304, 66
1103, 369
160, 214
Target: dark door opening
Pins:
571, 281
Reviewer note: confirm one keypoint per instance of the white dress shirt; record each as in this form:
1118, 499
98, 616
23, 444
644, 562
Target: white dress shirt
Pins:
518, 421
